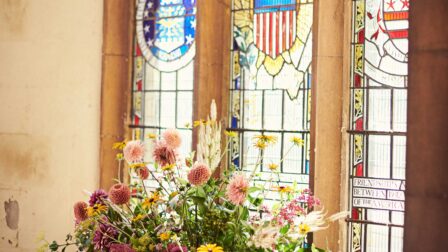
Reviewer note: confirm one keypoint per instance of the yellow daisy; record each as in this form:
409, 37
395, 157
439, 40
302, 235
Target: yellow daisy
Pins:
231, 134
149, 202
168, 167
304, 229
119, 156
260, 145
138, 218
268, 139
283, 189
273, 166
164, 236
97, 209
297, 141
119, 145
137, 165
210, 248
152, 136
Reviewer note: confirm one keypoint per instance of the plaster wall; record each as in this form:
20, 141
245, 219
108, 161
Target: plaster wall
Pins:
50, 89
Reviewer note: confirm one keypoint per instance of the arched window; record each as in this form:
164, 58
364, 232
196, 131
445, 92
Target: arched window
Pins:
163, 68
378, 124
270, 88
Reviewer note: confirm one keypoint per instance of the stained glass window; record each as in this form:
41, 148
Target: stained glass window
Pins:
378, 124
270, 88
163, 68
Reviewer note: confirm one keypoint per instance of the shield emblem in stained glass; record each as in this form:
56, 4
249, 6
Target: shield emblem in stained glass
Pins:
166, 32
395, 15
274, 25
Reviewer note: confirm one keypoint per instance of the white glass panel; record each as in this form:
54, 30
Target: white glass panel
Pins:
168, 110
250, 154
379, 110
400, 110
273, 110
184, 109
185, 77
399, 157
152, 78
168, 81
377, 238
293, 113
379, 157
253, 109
151, 109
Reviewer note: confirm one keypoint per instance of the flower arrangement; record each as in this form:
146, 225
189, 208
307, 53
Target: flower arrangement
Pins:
191, 210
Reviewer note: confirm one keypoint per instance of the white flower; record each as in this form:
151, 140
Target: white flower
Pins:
265, 237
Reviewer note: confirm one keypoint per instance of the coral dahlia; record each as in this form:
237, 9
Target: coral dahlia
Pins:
119, 194
199, 174
80, 210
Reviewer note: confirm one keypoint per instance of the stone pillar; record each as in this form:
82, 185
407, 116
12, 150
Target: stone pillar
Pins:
426, 218
212, 57
212, 61
116, 82
326, 122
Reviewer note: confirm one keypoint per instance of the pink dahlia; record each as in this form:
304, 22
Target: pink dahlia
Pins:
143, 172
163, 154
237, 189
134, 151
119, 194
120, 248
172, 138
199, 174
80, 210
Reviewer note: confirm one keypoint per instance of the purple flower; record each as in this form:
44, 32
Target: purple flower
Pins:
97, 197
102, 239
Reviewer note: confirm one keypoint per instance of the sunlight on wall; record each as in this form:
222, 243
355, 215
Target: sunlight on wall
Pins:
50, 115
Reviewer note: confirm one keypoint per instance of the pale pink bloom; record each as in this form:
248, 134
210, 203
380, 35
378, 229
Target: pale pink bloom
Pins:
199, 174
172, 138
163, 154
134, 151
237, 189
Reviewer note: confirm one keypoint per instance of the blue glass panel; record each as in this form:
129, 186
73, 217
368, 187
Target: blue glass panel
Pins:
262, 6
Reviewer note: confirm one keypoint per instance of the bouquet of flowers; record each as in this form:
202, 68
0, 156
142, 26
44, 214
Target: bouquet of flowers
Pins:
193, 207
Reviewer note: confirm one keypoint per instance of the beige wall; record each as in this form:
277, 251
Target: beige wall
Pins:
50, 82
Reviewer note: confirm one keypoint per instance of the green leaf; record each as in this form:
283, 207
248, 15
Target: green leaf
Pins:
254, 189
255, 201
284, 229
200, 192
53, 246
244, 214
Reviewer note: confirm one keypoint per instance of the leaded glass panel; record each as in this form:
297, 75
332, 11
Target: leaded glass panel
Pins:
378, 124
164, 50
270, 88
